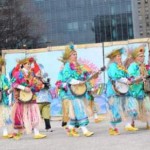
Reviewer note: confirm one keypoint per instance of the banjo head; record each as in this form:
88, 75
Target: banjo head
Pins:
25, 96
78, 90
121, 87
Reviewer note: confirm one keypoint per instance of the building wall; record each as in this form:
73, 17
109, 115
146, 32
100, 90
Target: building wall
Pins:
82, 21
141, 18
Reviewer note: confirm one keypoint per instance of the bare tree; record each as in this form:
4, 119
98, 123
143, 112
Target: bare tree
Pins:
15, 26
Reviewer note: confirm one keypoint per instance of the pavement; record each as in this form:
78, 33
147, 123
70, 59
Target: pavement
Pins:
101, 140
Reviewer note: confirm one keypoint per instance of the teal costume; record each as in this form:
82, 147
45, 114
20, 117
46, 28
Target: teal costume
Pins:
118, 104
66, 76
4, 104
136, 90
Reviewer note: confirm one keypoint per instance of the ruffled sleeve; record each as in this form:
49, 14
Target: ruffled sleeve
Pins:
133, 70
70, 73
114, 73
18, 80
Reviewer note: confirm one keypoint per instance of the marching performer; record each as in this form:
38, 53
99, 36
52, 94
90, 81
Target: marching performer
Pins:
138, 71
62, 88
43, 97
5, 110
117, 72
91, 91
26, 114
73, 75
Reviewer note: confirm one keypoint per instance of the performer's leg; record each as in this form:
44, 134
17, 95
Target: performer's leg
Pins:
131, 109
115, 115
65, 112
5, 132
46, 116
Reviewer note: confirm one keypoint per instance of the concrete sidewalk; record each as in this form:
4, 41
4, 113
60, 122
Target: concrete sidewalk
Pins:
101, 140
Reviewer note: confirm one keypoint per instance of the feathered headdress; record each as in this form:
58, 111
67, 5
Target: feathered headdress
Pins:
115, 53
137, 52
26, 60
68, 50
36, 68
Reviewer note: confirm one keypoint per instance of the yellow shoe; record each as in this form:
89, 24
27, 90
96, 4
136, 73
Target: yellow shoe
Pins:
130, 128
17, 136
147, 127
88, 133
98, 120
113, 131
73, 132
8, 136
39, 136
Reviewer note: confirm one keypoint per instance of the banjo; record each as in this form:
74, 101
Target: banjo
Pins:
25, 97
121, 87
81, 88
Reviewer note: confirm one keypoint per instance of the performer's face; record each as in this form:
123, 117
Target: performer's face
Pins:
118, 59
73, 56
140, 58
27, 66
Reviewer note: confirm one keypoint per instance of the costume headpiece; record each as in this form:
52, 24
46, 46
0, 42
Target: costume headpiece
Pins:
115, 53
137, 52
26, 60
68, 50
36, 68
2, 61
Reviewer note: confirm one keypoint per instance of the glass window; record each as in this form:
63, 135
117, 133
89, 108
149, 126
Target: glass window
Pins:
73, 26
112, 10
129, 20
129, 8
141, 26
147, 16
140, 17
114, 34
2, 2
130, 32
113, 22
139, 1
147, 24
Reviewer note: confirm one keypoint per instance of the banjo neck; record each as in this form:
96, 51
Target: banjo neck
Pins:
140, 79
96, 74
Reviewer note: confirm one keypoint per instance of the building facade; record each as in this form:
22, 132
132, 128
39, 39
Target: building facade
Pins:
81, 21
141, 18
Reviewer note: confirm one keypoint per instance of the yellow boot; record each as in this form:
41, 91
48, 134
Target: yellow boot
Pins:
98, 120
8, 136
88, 133
17, 136
39, 136
131, 128
73, 132
147, 126
113, 131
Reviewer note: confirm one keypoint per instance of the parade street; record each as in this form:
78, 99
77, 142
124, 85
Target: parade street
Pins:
101, 140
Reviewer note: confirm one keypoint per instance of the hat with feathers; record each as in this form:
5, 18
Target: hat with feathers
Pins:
26, 60
68, 50
137, 52
115, 53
